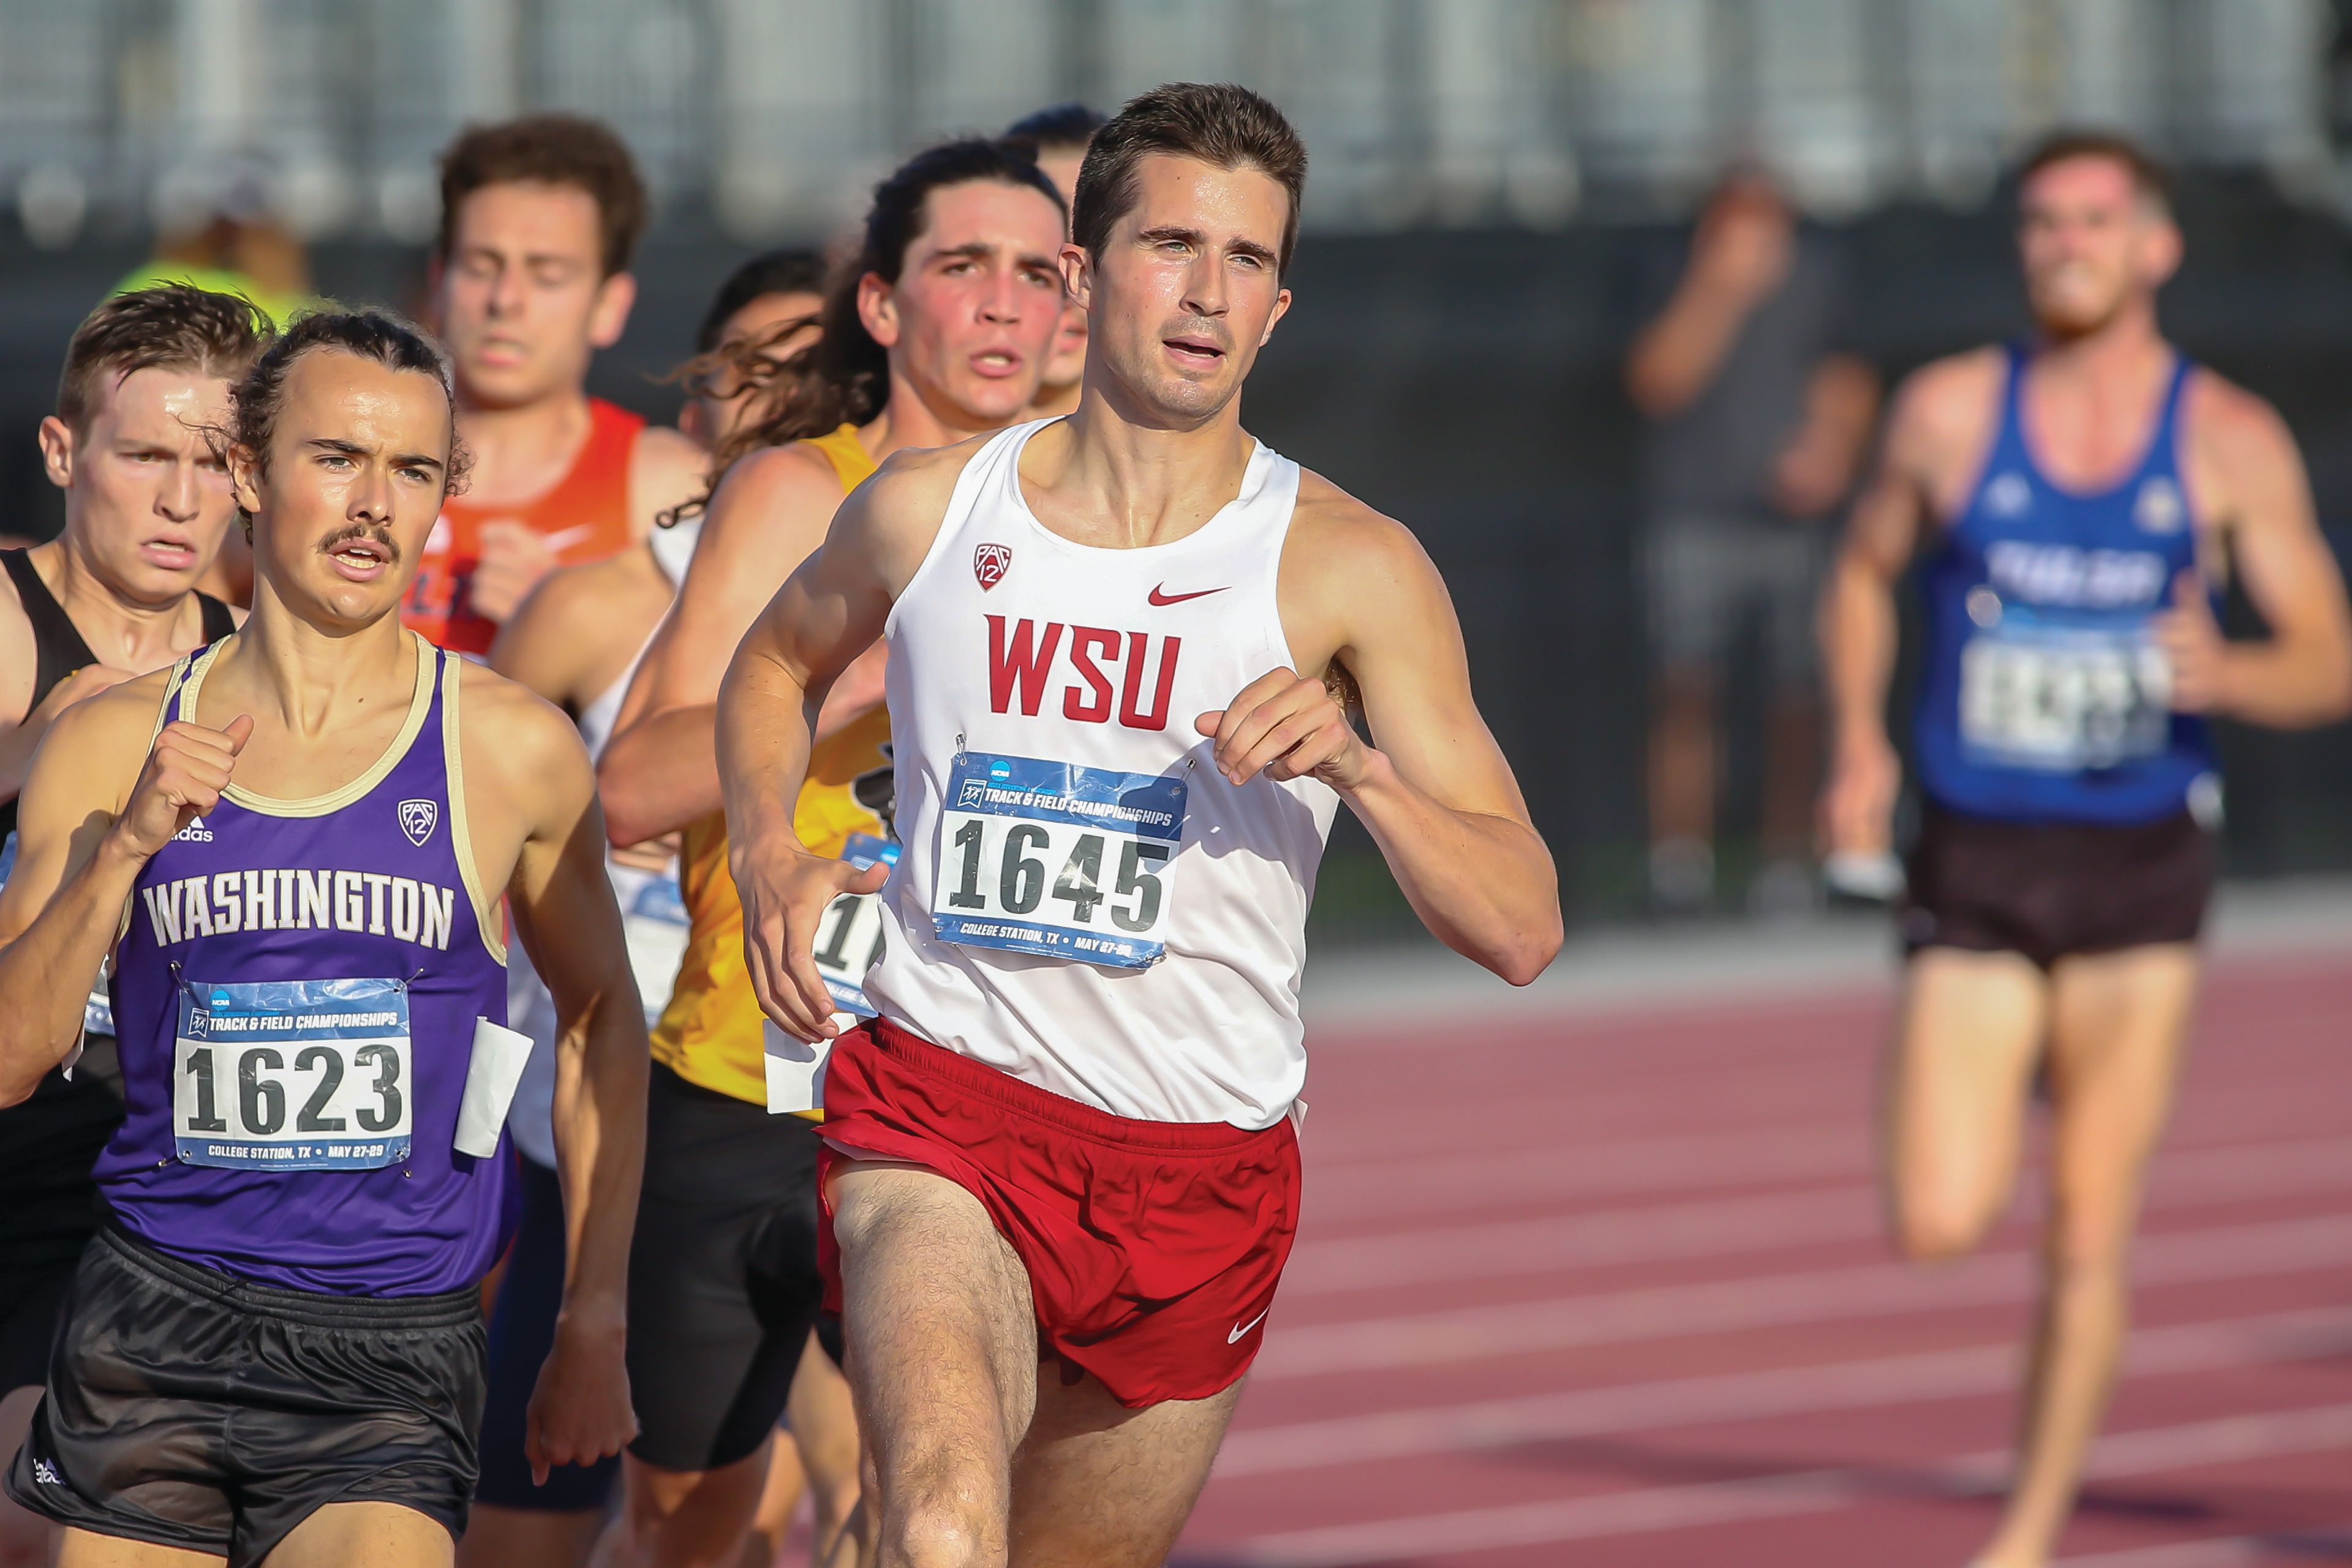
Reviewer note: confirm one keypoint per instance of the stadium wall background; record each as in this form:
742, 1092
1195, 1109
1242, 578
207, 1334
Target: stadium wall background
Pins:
1467, 383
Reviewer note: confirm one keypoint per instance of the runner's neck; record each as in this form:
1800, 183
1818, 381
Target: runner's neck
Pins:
524, 452
312, 678
1151, 486
123, 632
2121, 348
914, 416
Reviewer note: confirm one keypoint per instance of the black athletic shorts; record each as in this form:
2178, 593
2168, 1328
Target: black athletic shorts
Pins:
49, 1206
186, 1407
723, 1286
522, 1330
2049, 890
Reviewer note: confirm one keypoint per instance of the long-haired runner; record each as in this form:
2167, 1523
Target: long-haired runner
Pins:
937, 328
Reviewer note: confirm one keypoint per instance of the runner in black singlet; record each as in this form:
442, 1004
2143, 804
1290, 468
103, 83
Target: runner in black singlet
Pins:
146, 509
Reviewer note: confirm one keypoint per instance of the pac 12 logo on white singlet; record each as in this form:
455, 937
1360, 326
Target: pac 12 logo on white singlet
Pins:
1057, 859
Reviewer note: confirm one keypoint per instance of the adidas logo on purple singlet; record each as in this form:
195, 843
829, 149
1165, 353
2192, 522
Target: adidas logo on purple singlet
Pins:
195, 832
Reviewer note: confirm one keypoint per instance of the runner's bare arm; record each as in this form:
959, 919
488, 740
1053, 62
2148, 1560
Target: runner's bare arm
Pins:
769, 513
1433, 788
826, 615
1858, 616
2247, 477
546, 645
565, 915
668, 467
76, 860
20, 740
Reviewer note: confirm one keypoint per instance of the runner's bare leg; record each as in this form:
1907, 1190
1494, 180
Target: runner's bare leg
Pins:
1970, 1034
942, 1344
2118, 1025
1096, 1485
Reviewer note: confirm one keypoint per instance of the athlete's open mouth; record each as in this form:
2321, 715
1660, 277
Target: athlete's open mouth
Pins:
996, 364
1197, 351
361, 559
169, 551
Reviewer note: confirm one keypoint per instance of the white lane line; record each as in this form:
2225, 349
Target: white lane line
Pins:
1752, 1396
1727, 1227
2330, 1544
1400, 1183
1810, 1296
2236, 1438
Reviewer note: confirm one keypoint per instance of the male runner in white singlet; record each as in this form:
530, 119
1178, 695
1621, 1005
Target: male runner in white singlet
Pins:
936, 328
1113, 644
291, 849
2076, 499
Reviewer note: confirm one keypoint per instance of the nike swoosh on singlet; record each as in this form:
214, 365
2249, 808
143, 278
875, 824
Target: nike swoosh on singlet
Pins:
1234, 1335
1160, 595
563, 538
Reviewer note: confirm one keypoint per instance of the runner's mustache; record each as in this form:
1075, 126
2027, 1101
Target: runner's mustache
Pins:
378, 536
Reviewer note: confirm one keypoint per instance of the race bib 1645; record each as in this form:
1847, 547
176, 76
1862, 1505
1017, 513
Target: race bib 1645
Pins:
1057, 859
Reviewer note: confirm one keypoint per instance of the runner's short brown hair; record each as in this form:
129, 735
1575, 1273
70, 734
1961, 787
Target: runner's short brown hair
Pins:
2147, 176
550, 150
1222, 125
172, 326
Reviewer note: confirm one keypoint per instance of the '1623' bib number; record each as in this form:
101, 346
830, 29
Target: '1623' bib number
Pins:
1058, 860
292, 1074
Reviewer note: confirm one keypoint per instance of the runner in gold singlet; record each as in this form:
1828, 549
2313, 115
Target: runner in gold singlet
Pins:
711, 1033
958, 272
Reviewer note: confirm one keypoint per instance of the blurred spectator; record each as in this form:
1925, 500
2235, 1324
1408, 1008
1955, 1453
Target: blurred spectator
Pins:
1757, 425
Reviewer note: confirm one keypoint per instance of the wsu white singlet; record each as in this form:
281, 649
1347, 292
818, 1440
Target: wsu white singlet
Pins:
1083, 901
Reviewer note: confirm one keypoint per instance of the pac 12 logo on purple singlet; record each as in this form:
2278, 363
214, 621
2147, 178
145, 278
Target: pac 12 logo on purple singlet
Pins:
989, 563
417, 818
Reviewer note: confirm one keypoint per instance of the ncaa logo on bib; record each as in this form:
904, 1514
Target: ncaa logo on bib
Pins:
989, 563
416, 819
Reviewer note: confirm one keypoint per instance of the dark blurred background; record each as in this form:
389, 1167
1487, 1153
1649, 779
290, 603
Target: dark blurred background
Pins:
1494, 184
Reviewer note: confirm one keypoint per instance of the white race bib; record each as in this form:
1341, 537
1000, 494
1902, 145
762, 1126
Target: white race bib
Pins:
2063, 699
849, 937
292, 1074
655, 926
1058, 860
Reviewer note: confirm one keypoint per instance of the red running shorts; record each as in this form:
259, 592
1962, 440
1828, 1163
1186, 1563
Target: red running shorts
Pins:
1153, 1247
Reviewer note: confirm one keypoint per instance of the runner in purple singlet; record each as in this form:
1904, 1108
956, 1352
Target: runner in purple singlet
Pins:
287, 851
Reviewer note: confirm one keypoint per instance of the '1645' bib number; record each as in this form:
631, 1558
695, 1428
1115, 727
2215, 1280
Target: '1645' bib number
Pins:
2065, 700
292, 1074
1058, 860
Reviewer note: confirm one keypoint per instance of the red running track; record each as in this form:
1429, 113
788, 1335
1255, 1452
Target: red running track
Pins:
1613, 1290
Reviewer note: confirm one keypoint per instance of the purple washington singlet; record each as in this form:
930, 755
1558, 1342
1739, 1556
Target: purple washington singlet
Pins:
295, 996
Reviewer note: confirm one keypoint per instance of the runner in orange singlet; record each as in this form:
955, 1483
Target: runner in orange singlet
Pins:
529, 278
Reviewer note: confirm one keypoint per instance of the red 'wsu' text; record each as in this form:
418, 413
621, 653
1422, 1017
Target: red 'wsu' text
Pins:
1022, 661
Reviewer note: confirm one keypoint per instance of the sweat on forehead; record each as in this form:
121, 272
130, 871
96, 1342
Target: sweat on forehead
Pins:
376, 337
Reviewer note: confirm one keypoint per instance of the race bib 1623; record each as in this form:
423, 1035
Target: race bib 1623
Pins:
292, 1074
1057, 859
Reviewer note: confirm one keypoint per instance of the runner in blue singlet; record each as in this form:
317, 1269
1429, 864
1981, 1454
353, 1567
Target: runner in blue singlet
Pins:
2078, 499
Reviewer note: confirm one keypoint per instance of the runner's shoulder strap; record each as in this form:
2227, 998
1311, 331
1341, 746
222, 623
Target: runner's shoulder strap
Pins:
58, 647
219, 621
